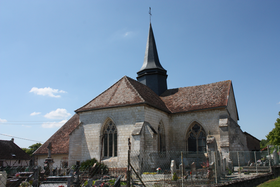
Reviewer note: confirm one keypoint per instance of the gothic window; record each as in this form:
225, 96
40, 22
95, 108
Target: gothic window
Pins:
110, 140
196, 138
161, 138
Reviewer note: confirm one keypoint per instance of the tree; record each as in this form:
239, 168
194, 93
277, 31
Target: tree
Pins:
263, 143
32, 148
274, 136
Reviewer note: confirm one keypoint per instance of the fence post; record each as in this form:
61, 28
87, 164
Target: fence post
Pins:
216, 174
128, 163
268, 151
182, 162
239, 168
70, 180
256, 162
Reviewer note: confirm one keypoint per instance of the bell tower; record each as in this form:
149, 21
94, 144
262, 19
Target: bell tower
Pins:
152, 74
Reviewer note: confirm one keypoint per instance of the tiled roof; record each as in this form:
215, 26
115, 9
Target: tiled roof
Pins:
10, 151
60, 140
128, 91
123, 93
197, 97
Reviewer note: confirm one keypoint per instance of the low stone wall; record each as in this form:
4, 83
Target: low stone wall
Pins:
253, 181
248, 182
3, 178
276, 171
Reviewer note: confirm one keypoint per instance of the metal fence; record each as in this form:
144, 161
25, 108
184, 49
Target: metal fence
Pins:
150, 169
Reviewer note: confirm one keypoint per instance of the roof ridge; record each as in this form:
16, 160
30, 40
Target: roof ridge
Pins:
200, 85
77, 110
128, 80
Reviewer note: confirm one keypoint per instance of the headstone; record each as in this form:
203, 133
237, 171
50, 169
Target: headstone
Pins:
49, 150
230, 165
275, 157
249, 162
193, 167
173, 166
224, 166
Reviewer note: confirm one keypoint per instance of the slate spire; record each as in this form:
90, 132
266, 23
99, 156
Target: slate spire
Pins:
152, 74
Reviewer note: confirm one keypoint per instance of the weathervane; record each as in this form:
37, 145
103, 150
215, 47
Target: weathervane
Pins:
150, 12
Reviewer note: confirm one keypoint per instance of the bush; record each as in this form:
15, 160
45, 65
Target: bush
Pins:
98, 167
174, 177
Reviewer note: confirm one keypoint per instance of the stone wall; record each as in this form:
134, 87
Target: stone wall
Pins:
253, 144
232, 106
85, 142
180, 123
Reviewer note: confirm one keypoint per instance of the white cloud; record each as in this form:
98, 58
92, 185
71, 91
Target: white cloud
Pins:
3, 120
53, 124
59, 113
47, 91
35, 113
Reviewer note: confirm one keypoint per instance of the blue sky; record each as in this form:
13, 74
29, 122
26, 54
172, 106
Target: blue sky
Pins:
55, 56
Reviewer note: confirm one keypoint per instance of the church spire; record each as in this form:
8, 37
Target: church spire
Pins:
152, 73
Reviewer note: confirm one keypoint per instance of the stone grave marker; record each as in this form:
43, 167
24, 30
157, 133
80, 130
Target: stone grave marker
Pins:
173, 166
275, 157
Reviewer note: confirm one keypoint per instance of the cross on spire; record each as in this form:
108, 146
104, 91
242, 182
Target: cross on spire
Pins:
150, 12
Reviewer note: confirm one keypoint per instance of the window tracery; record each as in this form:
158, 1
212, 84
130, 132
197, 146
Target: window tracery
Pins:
161, 138
110, 140
196, 138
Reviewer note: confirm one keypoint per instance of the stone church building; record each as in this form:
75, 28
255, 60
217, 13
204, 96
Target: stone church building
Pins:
156, 119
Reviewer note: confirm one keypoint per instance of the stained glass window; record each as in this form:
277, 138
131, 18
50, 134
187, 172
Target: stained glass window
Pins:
196, 138
110, 140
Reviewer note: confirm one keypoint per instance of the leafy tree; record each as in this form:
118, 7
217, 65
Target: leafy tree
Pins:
32, 148
263, 143
274, 136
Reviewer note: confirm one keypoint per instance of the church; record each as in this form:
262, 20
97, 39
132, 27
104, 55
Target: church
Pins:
194, 119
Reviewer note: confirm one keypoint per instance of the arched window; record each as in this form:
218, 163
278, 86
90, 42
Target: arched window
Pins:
110, 139
196, 138
161, 138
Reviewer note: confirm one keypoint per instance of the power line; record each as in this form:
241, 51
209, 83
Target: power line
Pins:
22, 138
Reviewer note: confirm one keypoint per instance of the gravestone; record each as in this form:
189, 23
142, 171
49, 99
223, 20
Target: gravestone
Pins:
275, 157
224, 167
230, 165
173, 166
193, 167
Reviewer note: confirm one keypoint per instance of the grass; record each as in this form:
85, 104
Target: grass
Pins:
271, 183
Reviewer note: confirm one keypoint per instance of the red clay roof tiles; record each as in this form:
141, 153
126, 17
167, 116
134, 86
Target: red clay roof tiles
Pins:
197, 97
125, 92
128, 91
60, 140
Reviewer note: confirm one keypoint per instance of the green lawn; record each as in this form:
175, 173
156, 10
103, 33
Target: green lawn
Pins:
271, 183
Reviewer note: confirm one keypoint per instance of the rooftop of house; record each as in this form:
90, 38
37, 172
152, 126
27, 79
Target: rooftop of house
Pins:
10, 151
